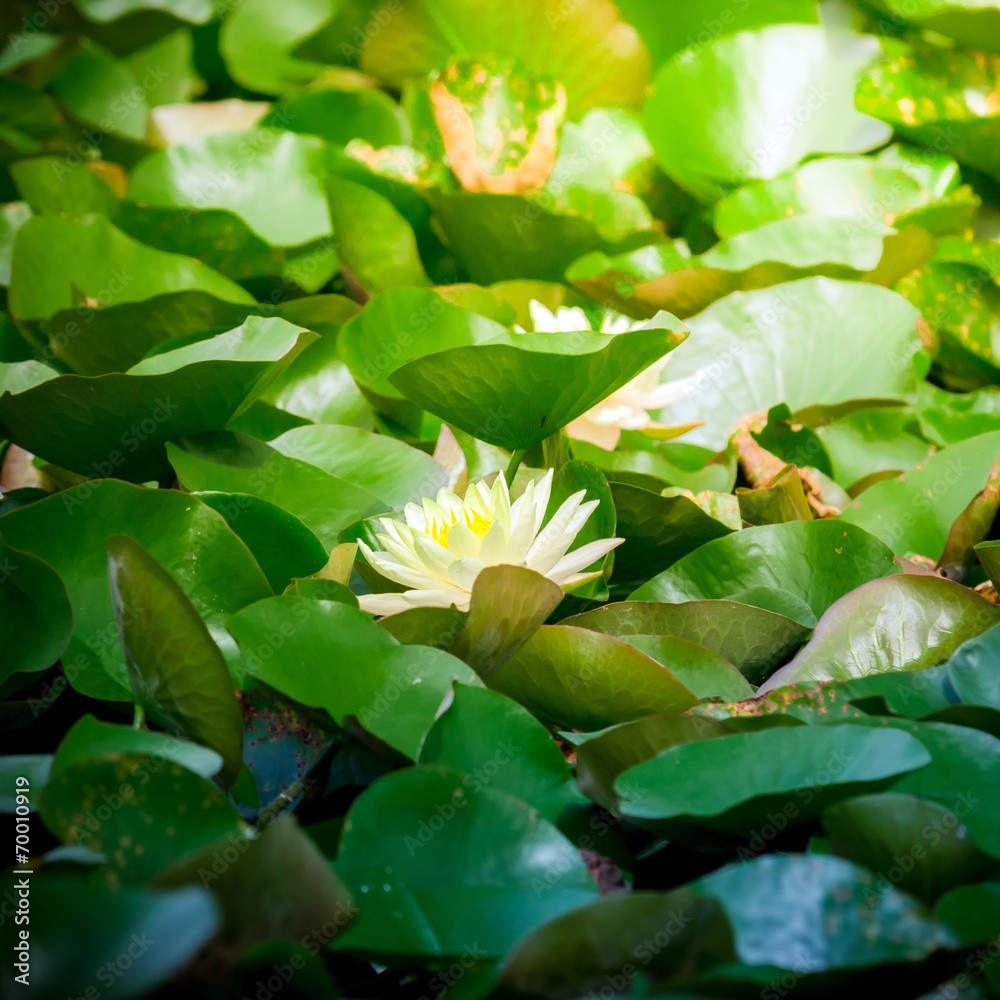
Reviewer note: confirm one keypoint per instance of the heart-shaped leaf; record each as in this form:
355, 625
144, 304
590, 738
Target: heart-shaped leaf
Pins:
187, 538
587, 680
897, 623
332, 656
753, 639
726, 370
914, 513
752, 113
235, 463
410, 850
499, 391
819, 561
117, 424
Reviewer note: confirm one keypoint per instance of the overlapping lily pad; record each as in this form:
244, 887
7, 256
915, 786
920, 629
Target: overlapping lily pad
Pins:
117, 424
897, 623
754, 113
411, 846
495, 390
938, 97
728, 364
193, 542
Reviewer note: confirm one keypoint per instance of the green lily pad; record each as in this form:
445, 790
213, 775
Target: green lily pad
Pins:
603, 757
873, 441
972, 911
915, 844
116, 337
338, 116
889, 189
282, 545
968, 21
753, 639
960, 303
499, 391
166, 929
505, 237
258, 40
598, 58
54, 255
509, 604
375, 242
897, 623
412, 846
607, 944
36, 620
102, 802
176, 671
666, 276
391, 470
90, 738
819, 561
841, 919
607, 190
235, 463
500, 745
790, 770
753, 113
102, 11
914, 513
281, 887
694, 27
587, 680
329, 655
970, 528
658, 530
727, 368
402, 324
271, 180
191, 541
117, 424
100, 90
957, 777
703, 672
938, 97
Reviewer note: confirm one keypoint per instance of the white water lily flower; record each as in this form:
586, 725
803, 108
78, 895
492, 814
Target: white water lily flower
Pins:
445, 544
626, 408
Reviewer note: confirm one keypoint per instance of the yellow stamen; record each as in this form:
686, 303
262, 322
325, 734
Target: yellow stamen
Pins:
479, 524
439, 530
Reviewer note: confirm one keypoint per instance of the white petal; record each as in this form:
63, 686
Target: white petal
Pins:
434, 557
402, 554
393, 570
393, 604
542, 321
439, 599
544, 560
553, 532
415, 517
383, 604
578, 580
463, 541
463, 572
543, 490
493, 550
581, 558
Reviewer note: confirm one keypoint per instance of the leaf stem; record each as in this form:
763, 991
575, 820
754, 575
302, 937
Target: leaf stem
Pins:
515, 464
139, 718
